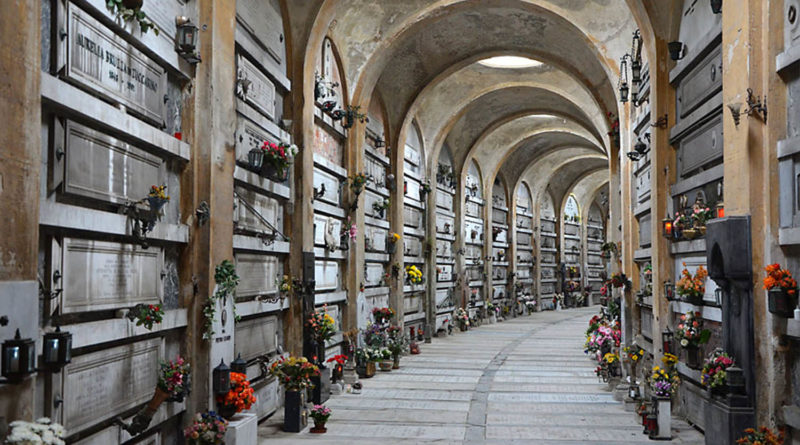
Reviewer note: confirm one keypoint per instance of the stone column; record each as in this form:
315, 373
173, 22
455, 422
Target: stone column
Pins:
430, 231
462, 285
488, 237
209, 177
20, 165
354, 162
397, 222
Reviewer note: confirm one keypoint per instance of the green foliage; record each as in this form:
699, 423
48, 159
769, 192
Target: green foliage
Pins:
118, 8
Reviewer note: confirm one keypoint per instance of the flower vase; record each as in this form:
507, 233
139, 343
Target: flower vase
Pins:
155, 203
390, 249
690, 234
227, 411
386, 365
319, 427
273, 174
159, 397
781, 303
694, 357
396, 361
663, 411
294, 417
369, 370
321, 391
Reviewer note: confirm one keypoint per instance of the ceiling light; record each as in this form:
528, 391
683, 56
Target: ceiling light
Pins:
510, 62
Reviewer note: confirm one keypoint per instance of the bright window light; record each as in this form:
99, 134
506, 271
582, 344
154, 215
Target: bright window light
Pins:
510, 62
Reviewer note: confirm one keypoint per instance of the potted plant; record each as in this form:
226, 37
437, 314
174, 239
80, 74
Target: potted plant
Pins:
701, 215
206, 429
385, 361
365, 363
397, 344
239, 398
461, 316
129, 10
691, 335
393, 240
295, 375
683, 227
322, 327
692, 287
277, 159
663, 383
320, 414
714, 375
781, 290
42, 431
763, 436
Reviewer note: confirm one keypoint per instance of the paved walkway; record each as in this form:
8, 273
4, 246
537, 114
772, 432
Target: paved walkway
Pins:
523, 381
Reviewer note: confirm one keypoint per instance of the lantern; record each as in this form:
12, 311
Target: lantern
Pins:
623, 92
636, 71
666, 228
735, 379
716, 6
633, 392
651, 425
676, 50
720, 209
255, 159
57, 349
718, 296
239, 365
186, 39
669, 290
666, 341
19, 358
221, 378
635, 93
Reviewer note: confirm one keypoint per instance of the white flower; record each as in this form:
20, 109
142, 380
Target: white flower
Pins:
684, 342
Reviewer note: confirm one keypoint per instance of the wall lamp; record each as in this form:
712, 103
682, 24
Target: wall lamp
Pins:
19, 355
186, 39
662, 122
677, 50
754, 106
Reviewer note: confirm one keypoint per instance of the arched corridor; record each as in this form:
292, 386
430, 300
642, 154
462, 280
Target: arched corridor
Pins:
222, 217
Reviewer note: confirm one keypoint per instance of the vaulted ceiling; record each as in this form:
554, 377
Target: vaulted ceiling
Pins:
545, 124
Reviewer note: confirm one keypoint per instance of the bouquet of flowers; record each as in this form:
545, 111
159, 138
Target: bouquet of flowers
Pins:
157, 197
206, 429
413, 274
619, 280
701, 215
240, 397
634, 352
682, 221
374, 335
394, 238
764, 436
382, 314
293, 373
357, 182
173, 378
714, 370
692, 285
322, 324
605, 335
320, 413
279, 156
780, 278
664, 382
461, 315
689, 331
147, 315
338, 358
42, 431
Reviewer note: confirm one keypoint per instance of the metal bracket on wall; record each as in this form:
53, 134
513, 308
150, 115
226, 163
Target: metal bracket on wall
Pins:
203, 213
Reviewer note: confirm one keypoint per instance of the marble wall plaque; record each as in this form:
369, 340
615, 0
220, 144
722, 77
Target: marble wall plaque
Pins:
643, 185
444, 248
257, 274
264, 22
375, 239
524, 222
572, 258
593, 272
445, 273
701, 147
548, 288
571, 229
104, 62
594, 259
326, 274
473, 209
548, 273
323, 223
250, 135
499, 216
269, 208
645, 233
473, 231
412, 189
548, 258
103, 384
102, 167
443, 297
704, 80
102, 275
373, 274
256, 337
525, 256
572, 245
412, 303
501, 237
474, 273
473, 252
375, 168
254, 87
411, 154
371, 198
498, 292
267, 398
412, 217
499, 273
331, 183
412, 246
548, 226
444, 201
523, 273
548, 242
445, 224
523, 239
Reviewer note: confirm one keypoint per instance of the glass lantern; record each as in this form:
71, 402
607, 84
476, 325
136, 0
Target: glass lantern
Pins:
57, 349
19, 358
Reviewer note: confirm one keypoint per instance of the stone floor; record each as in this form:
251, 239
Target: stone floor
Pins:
523, 381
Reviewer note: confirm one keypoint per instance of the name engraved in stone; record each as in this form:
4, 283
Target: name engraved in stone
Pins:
373, 273
106, 63
331, 186
102, 167
103, 384
257, 274
444, 200
257, 90
250, 135
102, 275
